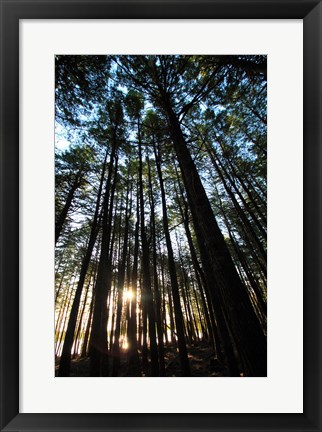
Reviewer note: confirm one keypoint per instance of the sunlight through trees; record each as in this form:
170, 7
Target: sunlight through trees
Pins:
161, 215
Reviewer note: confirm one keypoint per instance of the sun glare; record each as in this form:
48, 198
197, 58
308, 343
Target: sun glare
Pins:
129, 295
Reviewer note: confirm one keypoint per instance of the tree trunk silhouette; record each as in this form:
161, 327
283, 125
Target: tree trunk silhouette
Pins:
227, 288
173, 276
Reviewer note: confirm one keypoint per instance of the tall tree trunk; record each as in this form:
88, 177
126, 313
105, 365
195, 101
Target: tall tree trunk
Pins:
120, 288
81, 315
64, 315
63, 214
173, 275
170, 308
147, 291
155, 278
88, 326
227, 290
132, 329
64, 366
98, 342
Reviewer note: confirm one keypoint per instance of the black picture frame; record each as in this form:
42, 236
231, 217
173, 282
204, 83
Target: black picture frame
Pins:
11, 12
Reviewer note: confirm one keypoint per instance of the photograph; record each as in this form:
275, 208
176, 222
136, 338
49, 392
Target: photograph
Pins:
160, 215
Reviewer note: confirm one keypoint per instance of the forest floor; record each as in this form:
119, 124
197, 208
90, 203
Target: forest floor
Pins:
201, 359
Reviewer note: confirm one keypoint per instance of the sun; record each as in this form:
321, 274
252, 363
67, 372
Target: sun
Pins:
129, 295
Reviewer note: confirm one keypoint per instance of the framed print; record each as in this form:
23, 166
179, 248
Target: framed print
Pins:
137, 143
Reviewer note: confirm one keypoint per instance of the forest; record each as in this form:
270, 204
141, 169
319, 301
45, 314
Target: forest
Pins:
160, 215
